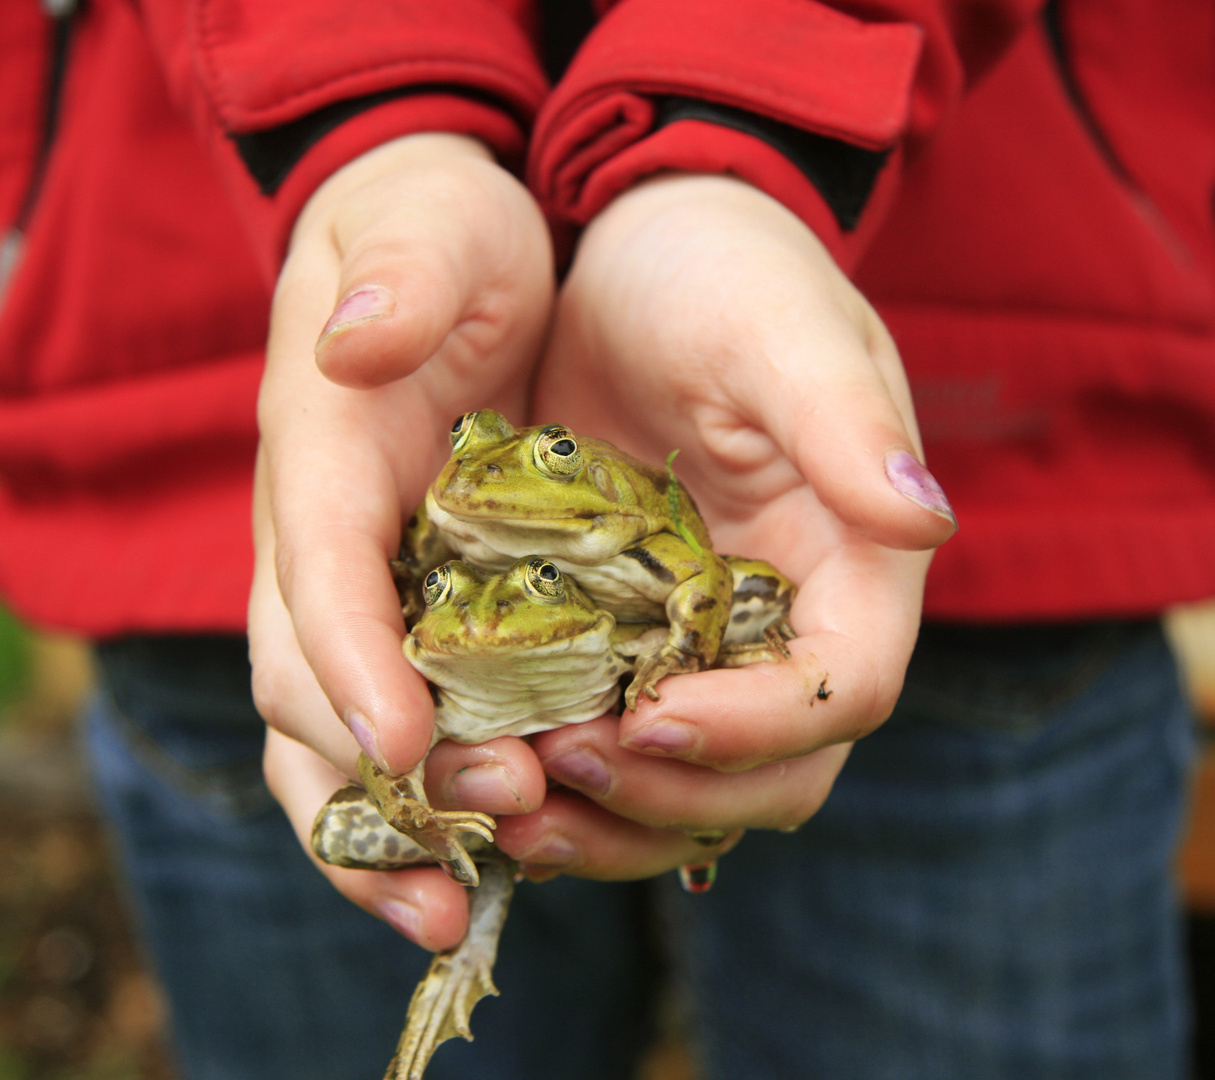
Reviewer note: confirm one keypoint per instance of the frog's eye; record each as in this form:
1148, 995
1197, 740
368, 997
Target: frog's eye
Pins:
545, 579
437, 586
461, 428
557, 452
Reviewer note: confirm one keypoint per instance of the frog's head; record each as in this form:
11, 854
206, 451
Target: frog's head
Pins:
536, 475
530, 604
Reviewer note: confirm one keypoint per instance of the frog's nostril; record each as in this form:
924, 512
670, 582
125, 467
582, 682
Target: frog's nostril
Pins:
505, 607
493, 470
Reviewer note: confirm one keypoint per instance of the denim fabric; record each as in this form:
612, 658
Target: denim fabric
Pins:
986, 894
270, 973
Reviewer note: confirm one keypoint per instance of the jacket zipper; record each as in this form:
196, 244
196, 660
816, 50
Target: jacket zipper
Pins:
1053, 25
62, 13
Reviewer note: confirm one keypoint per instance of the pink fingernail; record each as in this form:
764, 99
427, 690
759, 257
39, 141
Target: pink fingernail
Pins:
553, 850
912, 480
672, 737
486, 787
363, 305
582, 770
364, 735
402, 917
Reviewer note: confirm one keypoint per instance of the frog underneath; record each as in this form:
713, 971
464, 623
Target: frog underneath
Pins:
527, 650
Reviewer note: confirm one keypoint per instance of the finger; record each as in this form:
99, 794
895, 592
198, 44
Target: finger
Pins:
423, 904
285, 691
502, 776
460, 247
345, 617
664, 793
832, 391
571, 835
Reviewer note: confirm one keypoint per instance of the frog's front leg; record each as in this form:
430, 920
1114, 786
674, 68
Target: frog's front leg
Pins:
402, 802
458, 978
699, 587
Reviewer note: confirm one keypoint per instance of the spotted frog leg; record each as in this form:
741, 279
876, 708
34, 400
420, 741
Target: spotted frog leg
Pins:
402, 802
458, 978
350, 832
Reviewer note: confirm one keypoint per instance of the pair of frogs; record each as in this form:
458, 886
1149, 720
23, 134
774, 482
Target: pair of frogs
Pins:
578, 567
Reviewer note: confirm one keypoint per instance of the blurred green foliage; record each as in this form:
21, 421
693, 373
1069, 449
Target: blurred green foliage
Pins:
13, 1067
15, 651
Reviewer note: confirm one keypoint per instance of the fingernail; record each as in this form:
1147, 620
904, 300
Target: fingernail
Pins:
485, 787
912, 480
583, 770
403, 917
553, 850
364, 735
363, 305
663, 737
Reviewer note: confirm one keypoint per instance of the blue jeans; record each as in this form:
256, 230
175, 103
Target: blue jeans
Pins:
987, 893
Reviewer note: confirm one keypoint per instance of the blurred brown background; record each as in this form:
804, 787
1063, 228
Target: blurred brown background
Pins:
76, 1002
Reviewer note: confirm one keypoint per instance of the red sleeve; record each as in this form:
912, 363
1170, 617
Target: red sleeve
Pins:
243, 68
875, 75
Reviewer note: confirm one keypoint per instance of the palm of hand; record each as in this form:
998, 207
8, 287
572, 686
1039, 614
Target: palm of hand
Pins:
699, 315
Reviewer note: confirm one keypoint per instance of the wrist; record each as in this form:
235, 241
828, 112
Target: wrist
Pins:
417, 151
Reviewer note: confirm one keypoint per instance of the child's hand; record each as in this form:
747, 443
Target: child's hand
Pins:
701, 315
439, 266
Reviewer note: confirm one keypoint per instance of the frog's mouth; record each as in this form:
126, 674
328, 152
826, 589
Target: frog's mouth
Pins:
499, 516
514, 516
591, 640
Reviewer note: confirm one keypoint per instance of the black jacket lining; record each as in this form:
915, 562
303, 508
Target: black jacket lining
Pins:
565, 24
270, 155
842, 173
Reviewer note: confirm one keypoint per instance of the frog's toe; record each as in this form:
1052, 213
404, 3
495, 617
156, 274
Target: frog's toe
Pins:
777, 633
440, 835
652, 669
472, 821
460, 867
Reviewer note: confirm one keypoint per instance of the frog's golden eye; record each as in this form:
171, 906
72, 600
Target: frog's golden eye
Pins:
461, 429
437, 586
545, 579
557, 452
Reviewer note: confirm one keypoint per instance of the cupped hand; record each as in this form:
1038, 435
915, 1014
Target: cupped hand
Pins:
702, 316
418, 285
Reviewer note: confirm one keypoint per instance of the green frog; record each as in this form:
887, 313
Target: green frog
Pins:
628, 532
527, 650
515, 652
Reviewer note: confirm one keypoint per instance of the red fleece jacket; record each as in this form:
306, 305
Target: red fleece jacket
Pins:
1039, 236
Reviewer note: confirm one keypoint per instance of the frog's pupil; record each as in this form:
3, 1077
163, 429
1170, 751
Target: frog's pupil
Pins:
549, 572
432, 579
455, 428
564, 447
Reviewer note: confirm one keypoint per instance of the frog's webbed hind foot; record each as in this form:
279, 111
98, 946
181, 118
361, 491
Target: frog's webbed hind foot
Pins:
650, 669
457, 979
401, 801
